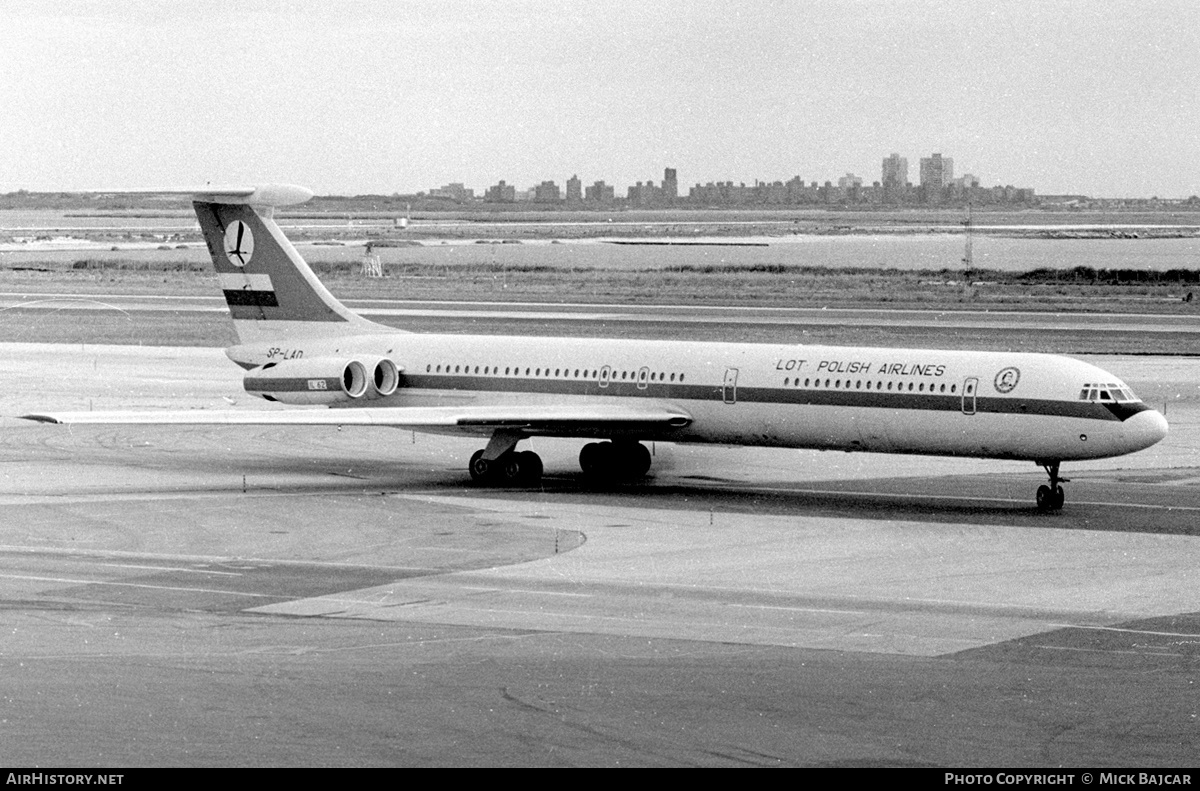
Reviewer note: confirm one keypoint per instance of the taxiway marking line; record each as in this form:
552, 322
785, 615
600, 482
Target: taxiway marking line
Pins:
523, 590
961, 498
172, 568
116, 553
1104, 650
67, 581
797, 609
1140, 631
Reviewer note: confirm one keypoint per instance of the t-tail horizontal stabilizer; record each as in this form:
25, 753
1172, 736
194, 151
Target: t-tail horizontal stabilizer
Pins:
265, 196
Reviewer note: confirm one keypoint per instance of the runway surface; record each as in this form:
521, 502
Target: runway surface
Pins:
224, 596
201, 321
391, 310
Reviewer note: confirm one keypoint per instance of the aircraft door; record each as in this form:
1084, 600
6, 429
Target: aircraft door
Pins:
605, 375
729, 389
970, 385
643, 380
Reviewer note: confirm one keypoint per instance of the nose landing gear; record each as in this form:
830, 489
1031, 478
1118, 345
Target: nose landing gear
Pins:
1051, 498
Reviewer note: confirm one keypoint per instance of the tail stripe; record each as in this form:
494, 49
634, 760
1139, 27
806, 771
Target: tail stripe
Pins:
251, 299
243, 290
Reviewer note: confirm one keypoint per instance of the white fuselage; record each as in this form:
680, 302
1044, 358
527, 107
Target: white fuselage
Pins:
954, 403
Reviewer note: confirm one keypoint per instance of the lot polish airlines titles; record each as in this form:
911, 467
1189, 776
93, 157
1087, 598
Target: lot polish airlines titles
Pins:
848, 367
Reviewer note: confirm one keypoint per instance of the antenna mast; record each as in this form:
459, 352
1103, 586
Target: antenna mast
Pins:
968, 258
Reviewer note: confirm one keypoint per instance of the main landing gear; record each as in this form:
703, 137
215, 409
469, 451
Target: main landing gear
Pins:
1051, 498
511, 469
499, 464
614, 461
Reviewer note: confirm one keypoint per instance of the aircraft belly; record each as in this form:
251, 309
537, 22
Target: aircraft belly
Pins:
789, 426
826, 427
940, 433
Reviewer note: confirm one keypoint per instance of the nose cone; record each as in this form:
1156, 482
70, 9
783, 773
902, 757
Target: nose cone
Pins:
1145, 429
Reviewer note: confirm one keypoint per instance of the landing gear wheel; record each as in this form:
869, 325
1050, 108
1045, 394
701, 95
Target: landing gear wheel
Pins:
511, 469
480, 468
639, 461
604, 462
1052, 497
531, 468
595, 459
1045, 498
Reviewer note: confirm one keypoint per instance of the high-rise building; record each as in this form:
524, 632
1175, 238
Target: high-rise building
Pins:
670, 186
895, 171
644, 194
547, 192
600, 193
500, 193
574, 190
936, 171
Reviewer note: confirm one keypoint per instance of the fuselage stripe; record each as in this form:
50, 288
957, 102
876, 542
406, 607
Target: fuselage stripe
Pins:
934, 402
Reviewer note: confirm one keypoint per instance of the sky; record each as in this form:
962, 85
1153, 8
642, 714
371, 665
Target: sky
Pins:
1099, 97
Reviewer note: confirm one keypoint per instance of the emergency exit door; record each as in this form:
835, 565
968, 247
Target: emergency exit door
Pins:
970, 385
729, 390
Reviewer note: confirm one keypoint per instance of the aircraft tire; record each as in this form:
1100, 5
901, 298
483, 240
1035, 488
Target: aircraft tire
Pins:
531, 467
1043, 498
1050, 499
628, 461
590, 458
480, 468
605, 462
510, 469
639, 461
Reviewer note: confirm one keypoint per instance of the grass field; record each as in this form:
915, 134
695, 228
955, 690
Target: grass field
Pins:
945, 290
768, 286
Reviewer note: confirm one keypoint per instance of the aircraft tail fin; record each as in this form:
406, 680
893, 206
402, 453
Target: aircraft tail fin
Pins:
270, 289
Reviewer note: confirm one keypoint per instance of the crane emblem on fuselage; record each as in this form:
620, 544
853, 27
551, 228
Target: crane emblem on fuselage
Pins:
1007, 379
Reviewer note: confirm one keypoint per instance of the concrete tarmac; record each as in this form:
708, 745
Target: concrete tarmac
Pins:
233, 596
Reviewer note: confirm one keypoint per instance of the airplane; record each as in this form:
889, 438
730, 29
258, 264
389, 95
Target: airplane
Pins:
300, 345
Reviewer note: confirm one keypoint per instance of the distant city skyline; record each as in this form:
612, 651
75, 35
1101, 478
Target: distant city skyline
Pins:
936, 171
1095, 98
937, 186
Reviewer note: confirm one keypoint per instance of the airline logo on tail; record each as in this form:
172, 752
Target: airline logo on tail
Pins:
264, 279
239, 243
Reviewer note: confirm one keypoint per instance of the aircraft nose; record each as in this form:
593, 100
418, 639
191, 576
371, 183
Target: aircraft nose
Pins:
1146, 428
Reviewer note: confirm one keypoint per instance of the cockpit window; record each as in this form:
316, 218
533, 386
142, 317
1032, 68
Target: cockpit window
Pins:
1106, 392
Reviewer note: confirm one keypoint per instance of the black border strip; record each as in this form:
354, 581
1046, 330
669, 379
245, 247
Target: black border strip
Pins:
874, 399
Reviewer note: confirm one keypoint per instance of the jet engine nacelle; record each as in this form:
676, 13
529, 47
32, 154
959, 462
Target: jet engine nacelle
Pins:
323, 380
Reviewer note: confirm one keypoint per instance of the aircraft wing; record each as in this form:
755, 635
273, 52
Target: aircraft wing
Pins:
531, 419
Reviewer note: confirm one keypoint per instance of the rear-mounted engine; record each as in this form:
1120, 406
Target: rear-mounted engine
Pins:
323, 380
